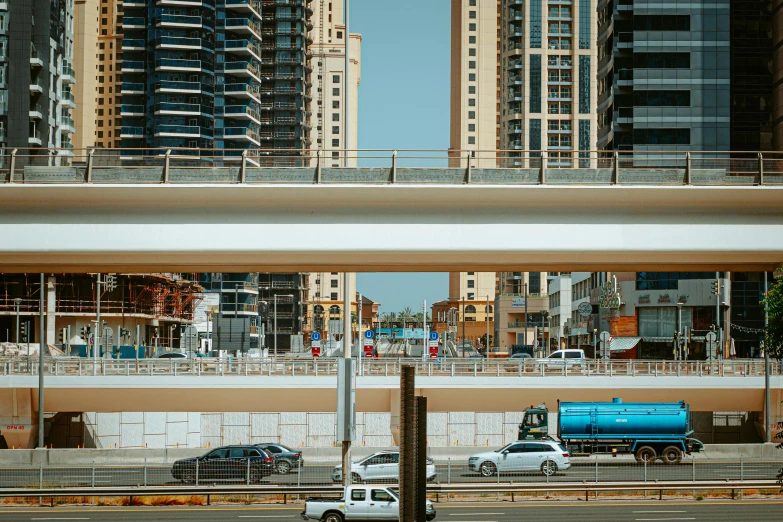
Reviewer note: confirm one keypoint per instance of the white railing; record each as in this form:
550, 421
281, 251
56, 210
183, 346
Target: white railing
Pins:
450, 367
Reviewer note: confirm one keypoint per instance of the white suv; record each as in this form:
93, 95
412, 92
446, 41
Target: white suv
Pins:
545, 456
381, 466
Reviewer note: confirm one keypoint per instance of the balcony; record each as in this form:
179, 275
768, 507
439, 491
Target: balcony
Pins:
180, 131
134, 22
242, 90
68, 75
35, 139
2, 135
242, 69
129, 44
241, 112
176, 42
242, 47
244, 6
66, 124
36, 112
243, 25
66, 149
35, 59
181, 109
133, 66
241, 134
515, 129
515, 80
36, 86
516, 15
132, 110
174, 64
187, 3
132, 88
168, 86
134, 3
131, 132
183, 21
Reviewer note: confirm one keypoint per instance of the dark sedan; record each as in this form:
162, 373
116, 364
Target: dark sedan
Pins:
286, 459
226, 464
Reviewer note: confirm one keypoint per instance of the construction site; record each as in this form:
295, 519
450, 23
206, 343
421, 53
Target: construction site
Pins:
135, 309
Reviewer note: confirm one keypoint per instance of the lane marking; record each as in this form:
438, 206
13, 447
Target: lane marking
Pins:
474, 514
659, 519
58, 518
656, 511
263, 516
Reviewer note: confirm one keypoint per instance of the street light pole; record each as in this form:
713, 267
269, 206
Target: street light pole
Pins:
525, 313
41, 329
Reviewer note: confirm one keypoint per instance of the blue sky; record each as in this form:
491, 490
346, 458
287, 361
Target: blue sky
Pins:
403, 104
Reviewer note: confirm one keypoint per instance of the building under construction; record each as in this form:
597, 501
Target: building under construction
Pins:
142, 309
284, 296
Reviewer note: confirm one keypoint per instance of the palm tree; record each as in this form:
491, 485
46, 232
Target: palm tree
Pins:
405, 315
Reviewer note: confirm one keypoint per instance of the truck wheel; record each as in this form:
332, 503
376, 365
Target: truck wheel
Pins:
549, 468
487, 469
333, 517
671, 455
646, 454
356, 478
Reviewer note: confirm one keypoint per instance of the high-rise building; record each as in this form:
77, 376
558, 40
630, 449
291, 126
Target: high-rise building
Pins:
328, 119
547, 77
664, 76
474, 81
36, 77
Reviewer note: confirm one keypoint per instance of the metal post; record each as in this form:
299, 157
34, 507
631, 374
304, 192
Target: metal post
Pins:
468, 170
767, 434
420, 473
243, 167
41, 345
727, 318
463, 321
616, 163
68, 340
166, 158
145, 471
98, 327
274, 322
12, 166
761, 169
525, 313
89, 165
688, 168
248, 472
346, 84
17, 302
542, 171
717, 306
346, 442
394, 167
407, 443
196, 472
318, 155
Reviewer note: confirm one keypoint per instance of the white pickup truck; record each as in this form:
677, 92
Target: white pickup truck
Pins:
358, 503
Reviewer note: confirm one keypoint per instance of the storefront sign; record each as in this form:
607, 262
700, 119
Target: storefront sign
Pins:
610, 296
682, 299
644, 299
664, 298
517, 302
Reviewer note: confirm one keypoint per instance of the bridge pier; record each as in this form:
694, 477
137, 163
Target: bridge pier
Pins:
18, 418
775, 416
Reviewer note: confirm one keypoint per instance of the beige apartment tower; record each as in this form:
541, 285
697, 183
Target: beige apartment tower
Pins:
328, 62
474, 94
548, 81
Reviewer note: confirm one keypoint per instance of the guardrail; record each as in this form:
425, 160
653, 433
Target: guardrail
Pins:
448, 367
305, 166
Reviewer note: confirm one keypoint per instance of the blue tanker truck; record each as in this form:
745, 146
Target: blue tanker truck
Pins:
648, 430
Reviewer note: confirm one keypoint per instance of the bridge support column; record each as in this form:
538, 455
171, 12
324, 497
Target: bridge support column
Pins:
394, 422
18, 420
775, 415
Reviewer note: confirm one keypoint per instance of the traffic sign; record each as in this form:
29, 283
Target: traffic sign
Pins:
605, 336
585, 309
433, 336
315, 336
369, 334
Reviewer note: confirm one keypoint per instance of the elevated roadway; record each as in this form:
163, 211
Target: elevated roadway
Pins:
357, 220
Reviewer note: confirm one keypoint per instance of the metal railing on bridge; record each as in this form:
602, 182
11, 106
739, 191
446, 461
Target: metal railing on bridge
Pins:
366, 166
449, 367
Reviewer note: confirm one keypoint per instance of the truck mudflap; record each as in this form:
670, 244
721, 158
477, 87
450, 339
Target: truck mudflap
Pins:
304, 516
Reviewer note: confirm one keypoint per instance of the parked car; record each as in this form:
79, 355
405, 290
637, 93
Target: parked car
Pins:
545, 456
380, 466
286, 459
521, 356
226, 464
358, 503
173, 355
569, 357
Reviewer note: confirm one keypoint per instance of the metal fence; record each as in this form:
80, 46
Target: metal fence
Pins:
595, 470
80, 366
185, 165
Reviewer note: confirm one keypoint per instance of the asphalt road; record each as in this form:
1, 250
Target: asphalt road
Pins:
529, 511
456, 472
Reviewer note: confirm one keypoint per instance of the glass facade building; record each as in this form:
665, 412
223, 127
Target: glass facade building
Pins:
229, 75
36, 79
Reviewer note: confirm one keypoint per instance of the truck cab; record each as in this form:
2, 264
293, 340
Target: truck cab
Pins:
535, 424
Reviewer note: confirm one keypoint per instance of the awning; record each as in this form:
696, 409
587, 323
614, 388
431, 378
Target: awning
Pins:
623, 344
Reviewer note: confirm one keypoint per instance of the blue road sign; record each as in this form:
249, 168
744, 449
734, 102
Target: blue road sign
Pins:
433, 336
315, 336
369, 334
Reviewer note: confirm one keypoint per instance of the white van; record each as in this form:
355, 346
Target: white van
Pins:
571, 357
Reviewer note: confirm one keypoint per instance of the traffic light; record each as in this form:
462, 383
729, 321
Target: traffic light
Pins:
85, 332
62, 335
23, 332
111, 282
715, 287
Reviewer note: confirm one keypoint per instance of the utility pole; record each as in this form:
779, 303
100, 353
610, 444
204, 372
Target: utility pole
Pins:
345, 386
41, 333
17, 302
767, 434
98, 326
525, 313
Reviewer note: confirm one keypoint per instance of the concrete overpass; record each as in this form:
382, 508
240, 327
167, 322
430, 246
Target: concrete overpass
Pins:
369, 219
491, 387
